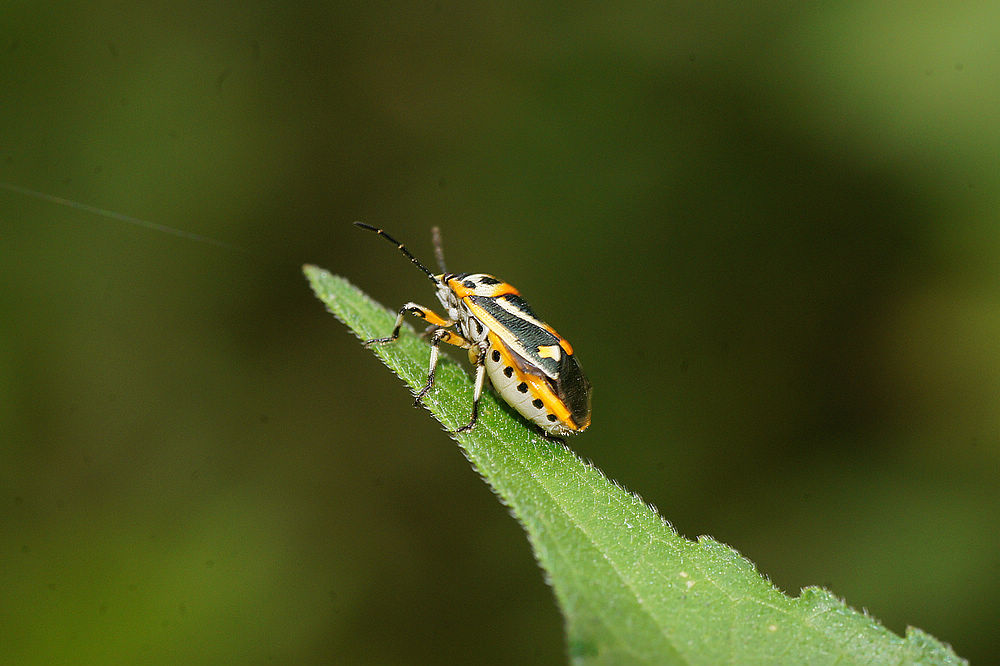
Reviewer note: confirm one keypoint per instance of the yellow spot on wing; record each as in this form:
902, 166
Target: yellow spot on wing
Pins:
550, 351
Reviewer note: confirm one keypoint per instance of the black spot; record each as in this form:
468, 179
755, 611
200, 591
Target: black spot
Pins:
522, 387
479, 326
551, 417
509, 371
468, 284
486, 279
537, 403
496, 356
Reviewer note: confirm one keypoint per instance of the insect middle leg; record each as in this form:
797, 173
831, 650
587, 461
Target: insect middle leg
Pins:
440, 333
439, 336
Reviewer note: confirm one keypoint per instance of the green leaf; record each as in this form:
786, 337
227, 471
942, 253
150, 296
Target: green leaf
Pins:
632, 590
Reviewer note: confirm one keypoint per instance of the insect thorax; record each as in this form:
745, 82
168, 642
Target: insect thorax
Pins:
454, 287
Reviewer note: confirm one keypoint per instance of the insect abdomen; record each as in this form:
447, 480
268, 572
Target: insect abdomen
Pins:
532, 394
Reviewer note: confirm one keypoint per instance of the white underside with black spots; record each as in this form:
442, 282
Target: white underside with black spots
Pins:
518, 394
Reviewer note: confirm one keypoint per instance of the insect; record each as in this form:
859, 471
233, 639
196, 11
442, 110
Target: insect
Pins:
530, 365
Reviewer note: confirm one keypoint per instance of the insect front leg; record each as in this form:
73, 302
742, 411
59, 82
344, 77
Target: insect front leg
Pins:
439, 336
416, 310
480, 361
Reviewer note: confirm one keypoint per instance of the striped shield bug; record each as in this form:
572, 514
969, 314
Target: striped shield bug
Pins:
530, 365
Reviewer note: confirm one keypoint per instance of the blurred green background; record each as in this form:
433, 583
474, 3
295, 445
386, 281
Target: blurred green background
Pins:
771, 232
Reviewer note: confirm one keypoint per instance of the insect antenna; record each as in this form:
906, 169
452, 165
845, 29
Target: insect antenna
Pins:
402, 248
438, 248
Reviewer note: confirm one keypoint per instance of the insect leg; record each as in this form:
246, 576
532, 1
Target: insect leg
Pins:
478, 391
440, 335
417, 311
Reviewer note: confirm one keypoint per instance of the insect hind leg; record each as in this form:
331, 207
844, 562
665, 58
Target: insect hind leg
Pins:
478, 391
